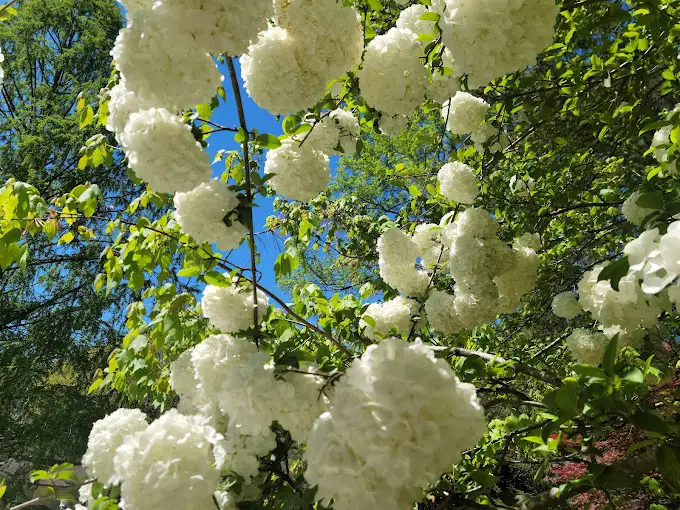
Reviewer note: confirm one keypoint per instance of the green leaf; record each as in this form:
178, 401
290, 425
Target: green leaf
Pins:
430, 16
650, 421
609, 359
614, 272
189, 271
267, 141
375, 5
650, 200
633, 374
290, 123
66, 238
414, 191
656, 125
240, 136
86, 116
669, 465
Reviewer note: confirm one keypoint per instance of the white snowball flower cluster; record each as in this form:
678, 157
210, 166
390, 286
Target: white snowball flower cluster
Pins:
162, 150
440, 309
663, 137
458, 182
587, 347
122, 104
230, 309
655, 258
392, 125
287, 69
627, 312
238, 376
431, 251
217, 26
395, 313
168, 465
490, 38
336, 133
486, 132
106, 436
443, 85
633, 212
306, 403
201, 213
521, 187
2, 71
397, 254
302, 171
409, 19
163, 67
240, 452
400, 418
464, 113
393, 79
566, 305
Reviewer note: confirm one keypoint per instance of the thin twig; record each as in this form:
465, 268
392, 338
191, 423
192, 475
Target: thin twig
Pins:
249, 195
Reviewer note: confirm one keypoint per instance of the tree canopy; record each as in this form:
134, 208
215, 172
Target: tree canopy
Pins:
478, 284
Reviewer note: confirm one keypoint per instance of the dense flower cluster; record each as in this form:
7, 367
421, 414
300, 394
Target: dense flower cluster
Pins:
458, 182
566, 305
400, 418
633, 212
168, 465
306, 403
162, 150
287, 69
521, 187
662, 138
230, 309
2, 71
392, 125
301, 171
490, 38
393, 78
385, 316
397, 254
464, 113
336, 133
655, 258
586, 346
106, 436
201, 213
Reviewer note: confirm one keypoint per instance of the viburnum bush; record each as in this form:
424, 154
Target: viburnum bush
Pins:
491, 268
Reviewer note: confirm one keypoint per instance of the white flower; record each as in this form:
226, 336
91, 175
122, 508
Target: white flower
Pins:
162, 150
663, 265
428, 239
240, 379
464, 113
486, 132
274, 77
230, 309
528, 240
239, 452
304, 403
566, 305
331, 34
106, 436
392, 125
302, 172
441, 312
168, 465
335, 134
633, 212
122, 104
397, 254
587, 347
217, 26
162, 66
393, 78
490, 38
458, 182
409, 19
520, 187
400, 418
388, 315
201, 213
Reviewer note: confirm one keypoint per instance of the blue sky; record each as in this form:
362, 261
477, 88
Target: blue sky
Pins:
264, 122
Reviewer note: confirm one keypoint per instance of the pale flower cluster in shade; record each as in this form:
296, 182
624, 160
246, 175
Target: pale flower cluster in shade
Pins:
491, 277
647, 289
663, 137
201, 213
490, 38
466, 114
566, 305
400, 418
457, 182
288, 67
230, 308
634, 213
587, 346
